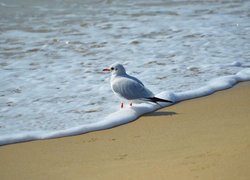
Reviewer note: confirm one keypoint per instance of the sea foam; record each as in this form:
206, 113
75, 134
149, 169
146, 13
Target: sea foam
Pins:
51, 63
129, 114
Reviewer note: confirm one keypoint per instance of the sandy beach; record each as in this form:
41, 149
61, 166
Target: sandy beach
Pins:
205, 138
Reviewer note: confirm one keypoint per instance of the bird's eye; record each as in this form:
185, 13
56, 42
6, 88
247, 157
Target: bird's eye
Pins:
112, 69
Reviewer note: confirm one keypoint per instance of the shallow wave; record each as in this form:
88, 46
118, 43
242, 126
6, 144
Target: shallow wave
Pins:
129, 114
52, 54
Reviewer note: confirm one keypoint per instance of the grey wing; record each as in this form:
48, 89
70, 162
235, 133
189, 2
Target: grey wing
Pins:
130, 89
134, 78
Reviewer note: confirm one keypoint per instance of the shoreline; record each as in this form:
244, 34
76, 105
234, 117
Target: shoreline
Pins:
201, 138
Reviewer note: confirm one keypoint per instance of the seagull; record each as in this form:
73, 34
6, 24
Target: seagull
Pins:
129, 88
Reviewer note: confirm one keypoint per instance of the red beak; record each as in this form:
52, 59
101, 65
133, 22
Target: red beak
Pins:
106, 70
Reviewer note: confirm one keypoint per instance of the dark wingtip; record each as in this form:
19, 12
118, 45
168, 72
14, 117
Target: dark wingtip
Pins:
156, 99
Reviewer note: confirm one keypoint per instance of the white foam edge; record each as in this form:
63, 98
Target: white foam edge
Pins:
130, 114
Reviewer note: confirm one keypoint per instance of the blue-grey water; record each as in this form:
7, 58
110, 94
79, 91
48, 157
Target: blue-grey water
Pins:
52, 54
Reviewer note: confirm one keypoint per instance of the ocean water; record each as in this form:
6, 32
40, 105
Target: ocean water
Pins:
52, 54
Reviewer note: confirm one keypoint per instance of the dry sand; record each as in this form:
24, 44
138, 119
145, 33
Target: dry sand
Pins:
206, 138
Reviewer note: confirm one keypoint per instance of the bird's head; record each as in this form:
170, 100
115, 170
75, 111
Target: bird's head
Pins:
116, 69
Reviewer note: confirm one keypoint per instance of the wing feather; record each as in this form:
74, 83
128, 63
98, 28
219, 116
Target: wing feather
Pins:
130, 89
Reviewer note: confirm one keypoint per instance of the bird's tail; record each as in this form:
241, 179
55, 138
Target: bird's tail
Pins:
156, 99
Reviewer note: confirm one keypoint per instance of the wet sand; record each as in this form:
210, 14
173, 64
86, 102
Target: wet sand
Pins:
204, 138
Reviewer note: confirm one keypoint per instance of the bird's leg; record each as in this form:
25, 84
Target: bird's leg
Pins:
121, 104
131, 104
